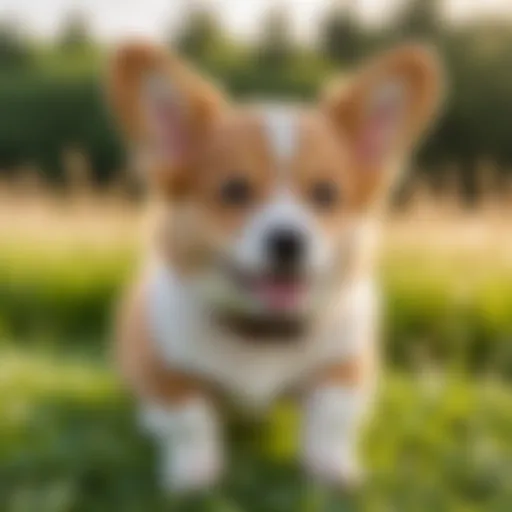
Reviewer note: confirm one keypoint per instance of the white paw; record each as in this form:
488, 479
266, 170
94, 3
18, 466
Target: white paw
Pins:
334, 465
189, 445
190, 468
330, 437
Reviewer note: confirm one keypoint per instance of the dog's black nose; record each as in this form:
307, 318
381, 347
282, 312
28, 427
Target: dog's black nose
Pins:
286, 248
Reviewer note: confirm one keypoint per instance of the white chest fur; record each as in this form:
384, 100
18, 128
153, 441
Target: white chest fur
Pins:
251, 373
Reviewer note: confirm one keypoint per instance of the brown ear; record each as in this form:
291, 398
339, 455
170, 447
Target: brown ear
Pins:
383, 111
163, 108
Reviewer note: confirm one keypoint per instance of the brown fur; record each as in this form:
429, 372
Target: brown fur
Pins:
139, 364
345, 104
236, 145
227, 141
129, 66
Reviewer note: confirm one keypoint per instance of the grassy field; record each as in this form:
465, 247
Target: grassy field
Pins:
69, 442
441, 438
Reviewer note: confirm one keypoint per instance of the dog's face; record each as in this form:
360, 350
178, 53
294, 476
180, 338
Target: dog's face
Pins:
273, 197
268, 202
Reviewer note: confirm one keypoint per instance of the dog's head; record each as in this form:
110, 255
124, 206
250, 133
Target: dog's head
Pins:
266, 202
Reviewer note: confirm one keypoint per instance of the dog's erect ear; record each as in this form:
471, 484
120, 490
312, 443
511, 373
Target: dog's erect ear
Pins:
163, 107
383, 111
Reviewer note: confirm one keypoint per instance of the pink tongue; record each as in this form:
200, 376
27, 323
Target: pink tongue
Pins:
283, 296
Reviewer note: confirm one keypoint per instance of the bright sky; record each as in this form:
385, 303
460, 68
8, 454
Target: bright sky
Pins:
114, 19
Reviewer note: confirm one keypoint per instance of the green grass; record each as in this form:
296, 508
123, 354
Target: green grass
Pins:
440, 439
453, 311
456, 310
64, 293
68, 441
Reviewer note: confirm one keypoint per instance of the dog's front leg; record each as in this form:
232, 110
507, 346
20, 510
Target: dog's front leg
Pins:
335, 407
188, 437
176, 408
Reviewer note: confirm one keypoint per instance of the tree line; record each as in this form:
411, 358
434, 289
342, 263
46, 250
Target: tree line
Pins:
51, 97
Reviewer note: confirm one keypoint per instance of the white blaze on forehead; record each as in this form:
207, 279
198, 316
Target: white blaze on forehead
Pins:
283, 210
281, 127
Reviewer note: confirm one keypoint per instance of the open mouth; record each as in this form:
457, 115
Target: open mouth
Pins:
278, 292
269, 305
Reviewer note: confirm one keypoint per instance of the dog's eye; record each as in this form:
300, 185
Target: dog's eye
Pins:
325, 195
236, 192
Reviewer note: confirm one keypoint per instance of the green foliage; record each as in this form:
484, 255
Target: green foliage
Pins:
452, 314
66, 295
69, 441
341, 38
74, 34
200, 36
51, 98
44, 115
420, 19
436, 313
275, 48
15, 52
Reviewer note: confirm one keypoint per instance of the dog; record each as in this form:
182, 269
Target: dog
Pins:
260, 279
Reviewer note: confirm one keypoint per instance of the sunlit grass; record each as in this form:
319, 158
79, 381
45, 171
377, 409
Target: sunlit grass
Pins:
440, 438
68, 430
447, 289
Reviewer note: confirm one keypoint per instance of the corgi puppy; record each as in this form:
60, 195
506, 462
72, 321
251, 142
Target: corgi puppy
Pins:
260, 281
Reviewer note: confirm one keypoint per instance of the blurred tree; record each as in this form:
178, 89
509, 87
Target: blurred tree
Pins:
419, 19
15, 51
275, 48
75, 32
201, 35
44, 110
340, 35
